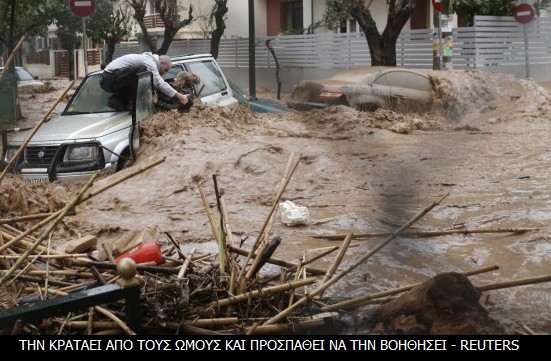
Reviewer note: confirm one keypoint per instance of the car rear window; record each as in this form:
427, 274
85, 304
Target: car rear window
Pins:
405, 79
23, 74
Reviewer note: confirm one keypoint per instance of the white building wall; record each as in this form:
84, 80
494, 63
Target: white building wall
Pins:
237, 17
315, 9
237, 23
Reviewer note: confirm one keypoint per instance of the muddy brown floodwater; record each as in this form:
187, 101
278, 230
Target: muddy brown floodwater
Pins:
485, 145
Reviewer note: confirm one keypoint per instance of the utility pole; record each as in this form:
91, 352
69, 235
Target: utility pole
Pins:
84, 41
443, 34
252, 53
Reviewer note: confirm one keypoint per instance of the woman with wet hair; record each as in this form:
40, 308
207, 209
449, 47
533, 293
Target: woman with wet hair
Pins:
184, 83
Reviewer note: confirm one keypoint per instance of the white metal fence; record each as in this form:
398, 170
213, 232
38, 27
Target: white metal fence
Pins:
492, 41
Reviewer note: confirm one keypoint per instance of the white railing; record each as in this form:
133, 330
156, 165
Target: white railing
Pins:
492, 41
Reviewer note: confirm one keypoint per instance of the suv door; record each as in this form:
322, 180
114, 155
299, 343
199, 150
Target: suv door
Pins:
142, 108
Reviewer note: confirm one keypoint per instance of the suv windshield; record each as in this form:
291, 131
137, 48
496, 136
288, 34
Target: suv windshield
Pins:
89, 98
210, 76
207, 71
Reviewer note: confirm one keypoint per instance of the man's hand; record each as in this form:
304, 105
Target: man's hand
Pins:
182, 98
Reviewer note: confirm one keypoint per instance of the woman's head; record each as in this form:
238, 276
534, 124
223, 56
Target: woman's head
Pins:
186, 78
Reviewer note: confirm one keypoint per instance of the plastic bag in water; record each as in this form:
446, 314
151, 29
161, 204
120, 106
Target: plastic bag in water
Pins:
293, 215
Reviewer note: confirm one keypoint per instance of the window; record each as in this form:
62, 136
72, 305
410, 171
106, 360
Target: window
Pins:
171, 74
154, 10
292, 16
350, 26
144, 97
210, 76
23, 74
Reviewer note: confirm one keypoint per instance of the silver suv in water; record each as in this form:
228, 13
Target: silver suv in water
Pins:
89, 136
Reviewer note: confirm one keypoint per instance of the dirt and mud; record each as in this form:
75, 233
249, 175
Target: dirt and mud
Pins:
484, 144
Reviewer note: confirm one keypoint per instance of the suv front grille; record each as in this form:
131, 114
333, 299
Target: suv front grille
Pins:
40, 156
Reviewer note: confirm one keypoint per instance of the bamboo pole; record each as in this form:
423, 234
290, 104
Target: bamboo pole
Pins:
201, 322
83, 199
176, 246
209, 211
110, 332
36, 279
329, 219
278, 262
283, 184
5, 263
285, 328
327, 251
89, 323
43, 256
212, 322
33, 132
295, 279
108, 265
185, 265
338, 259
108, 252
254, 266
115, 319
221, 231
363, 300
65, 272
10, 59
333, 280
515, 283
337, 237
529, 330
25, 218
258, 293
227, 227
234, 267
54, 224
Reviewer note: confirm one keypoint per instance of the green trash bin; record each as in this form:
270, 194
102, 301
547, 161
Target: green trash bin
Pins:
9, 101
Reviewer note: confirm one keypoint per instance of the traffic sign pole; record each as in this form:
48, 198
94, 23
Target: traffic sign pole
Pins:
83, 8
524, 13
443, 38
526, 60
84, 41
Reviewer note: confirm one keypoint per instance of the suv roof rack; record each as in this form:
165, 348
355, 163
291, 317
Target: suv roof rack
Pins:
192, 55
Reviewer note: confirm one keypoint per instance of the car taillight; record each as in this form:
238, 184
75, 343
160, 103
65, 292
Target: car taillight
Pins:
329, 94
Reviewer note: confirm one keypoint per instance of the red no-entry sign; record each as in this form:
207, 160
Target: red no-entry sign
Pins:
524, 13
437, 5
83, 8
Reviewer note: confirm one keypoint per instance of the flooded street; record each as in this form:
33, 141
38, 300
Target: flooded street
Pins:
485, 146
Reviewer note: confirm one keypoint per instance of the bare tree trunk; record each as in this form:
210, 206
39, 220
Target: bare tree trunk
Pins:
220, 10
139, 14
277, 67
169, 12
382, 47
110, 50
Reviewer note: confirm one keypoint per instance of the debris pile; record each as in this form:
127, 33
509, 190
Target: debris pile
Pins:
216, 293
